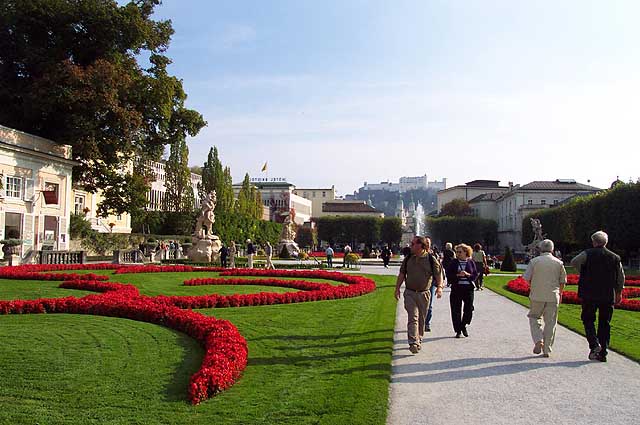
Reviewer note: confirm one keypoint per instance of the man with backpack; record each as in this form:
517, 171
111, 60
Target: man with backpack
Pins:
416, 272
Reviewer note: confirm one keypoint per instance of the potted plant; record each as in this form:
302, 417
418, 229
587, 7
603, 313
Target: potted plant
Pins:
11, 246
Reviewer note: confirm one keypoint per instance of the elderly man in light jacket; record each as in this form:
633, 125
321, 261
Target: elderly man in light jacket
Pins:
547, 277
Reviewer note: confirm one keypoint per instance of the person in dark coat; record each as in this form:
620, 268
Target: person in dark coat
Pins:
447, 256
224, 254
386, 256
600, 288
461, 274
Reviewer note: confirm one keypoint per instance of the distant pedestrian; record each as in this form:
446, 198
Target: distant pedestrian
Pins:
386, 256
461, 273
224, 254
417, 271
547, 278
447, 257
251, 251
268, 252
232, 254
329, 254
346, 260
600, 287
480, 258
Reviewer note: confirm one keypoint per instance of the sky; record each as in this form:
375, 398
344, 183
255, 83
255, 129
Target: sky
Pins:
339, 92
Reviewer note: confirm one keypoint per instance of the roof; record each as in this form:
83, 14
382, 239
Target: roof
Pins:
482, 184
261, 185
559, 184
486, 197
348, 207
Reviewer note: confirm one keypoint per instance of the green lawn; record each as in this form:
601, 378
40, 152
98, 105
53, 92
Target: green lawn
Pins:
625, 325
310, 363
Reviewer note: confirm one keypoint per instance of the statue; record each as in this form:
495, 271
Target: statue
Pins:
206, 245
538, 237
206, 217
288, 234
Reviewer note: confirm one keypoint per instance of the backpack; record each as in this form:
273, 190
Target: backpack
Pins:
431, 263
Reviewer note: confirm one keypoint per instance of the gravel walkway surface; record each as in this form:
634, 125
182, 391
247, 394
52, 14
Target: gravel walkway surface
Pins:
493, 377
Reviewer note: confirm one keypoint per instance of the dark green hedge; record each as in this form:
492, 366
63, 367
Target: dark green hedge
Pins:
467, 230
354, 229
570, 226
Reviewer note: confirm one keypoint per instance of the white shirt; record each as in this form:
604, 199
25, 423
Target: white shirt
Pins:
545, 273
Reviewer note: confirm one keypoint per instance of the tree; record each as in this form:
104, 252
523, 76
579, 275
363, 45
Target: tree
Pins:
456, 208
306, 237
179, 192
463, 229
69, 72
391, 230
249, 199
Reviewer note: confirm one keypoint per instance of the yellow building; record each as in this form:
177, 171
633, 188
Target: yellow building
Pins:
36, 194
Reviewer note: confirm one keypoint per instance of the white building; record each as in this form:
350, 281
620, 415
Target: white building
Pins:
469, 190
278, 195
36, 195
155, 196
406, 184
350, 208
514, 205
317, 196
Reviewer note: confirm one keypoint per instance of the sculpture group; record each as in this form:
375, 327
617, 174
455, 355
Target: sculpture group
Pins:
206, 245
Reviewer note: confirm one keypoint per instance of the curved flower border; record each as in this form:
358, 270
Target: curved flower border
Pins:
225, 349
522, 287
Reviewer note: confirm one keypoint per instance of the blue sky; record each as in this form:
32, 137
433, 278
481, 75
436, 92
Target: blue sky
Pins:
341, 92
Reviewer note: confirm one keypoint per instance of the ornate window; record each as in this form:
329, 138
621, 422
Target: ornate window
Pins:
13, 187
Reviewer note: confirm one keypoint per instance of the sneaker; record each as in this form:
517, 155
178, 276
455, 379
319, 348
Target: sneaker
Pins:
458, 334
537, 349
414, 348
464, 332
419, 347
594, 353
547, 355
427, 329
601, 358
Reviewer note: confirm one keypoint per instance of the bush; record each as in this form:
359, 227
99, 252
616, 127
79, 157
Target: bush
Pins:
79, 227
509, 264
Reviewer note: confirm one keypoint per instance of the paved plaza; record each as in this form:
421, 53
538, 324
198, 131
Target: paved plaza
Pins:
493, 377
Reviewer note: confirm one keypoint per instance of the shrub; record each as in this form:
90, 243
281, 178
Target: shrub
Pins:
79, 227
509, 264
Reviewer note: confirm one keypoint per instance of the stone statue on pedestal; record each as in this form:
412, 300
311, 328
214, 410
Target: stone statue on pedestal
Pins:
288, 235
206, 245
538, 237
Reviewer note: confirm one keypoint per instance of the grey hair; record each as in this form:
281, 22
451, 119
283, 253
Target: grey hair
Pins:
546, 245
448, 245
600, 238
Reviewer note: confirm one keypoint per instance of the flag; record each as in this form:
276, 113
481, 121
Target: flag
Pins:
264, 167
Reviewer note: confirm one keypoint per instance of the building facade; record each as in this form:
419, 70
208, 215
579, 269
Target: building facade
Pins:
469, 191
279, 197
406, 184
514, 205
36, 196
155, 196
350, 208
317, 197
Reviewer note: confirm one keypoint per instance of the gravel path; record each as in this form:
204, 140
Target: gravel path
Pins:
493, 377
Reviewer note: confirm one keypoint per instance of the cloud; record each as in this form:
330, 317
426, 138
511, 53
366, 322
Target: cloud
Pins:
236, 35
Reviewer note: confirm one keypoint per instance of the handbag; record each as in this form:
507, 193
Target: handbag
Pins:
487, 270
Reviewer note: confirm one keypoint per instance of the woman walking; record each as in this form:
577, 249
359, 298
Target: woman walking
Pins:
461, 273
480, 258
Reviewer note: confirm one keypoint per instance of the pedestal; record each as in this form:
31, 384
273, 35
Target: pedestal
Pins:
205, 250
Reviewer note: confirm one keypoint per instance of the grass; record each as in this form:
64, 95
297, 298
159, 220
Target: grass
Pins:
625, 325
310, 363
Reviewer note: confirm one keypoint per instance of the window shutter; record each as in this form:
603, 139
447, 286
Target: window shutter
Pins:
27, 233
29, 189
63, 233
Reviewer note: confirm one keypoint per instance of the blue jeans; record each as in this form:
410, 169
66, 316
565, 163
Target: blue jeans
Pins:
427, 322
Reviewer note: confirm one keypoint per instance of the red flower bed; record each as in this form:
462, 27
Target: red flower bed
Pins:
323, 254
572, 279
225, 349
522, 287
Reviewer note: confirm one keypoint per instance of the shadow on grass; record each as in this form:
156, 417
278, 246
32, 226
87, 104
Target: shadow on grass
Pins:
192, 355
288, 360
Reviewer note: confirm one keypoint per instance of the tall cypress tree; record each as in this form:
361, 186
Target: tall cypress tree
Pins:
179, 194
214, 177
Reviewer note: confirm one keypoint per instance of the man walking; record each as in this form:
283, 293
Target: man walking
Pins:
416, 271
346, 260
547, 277
251, 251
268, 252
600, 287
329, 254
